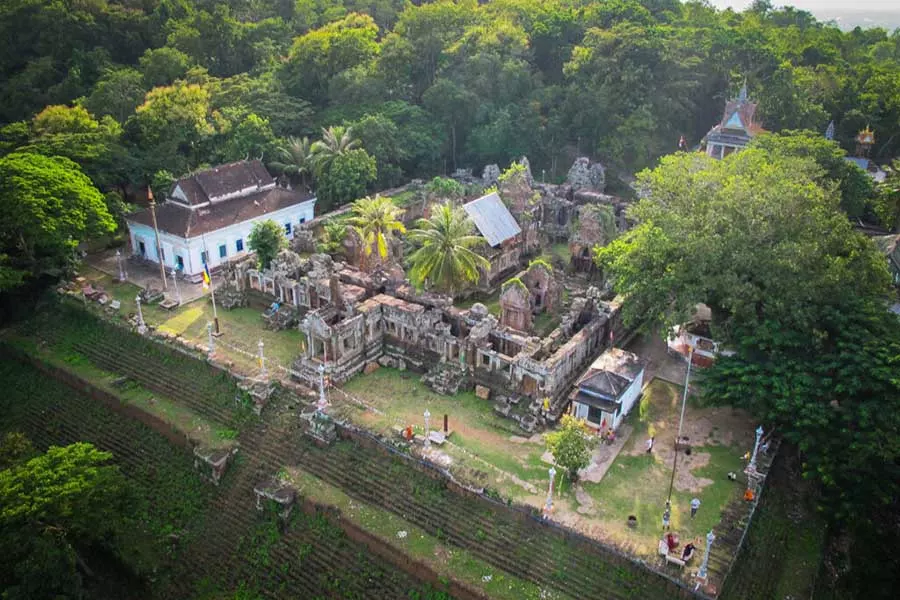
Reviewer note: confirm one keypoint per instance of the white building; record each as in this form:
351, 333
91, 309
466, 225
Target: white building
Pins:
208, 216
608, 390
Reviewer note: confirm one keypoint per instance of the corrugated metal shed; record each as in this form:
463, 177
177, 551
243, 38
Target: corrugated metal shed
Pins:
492, 219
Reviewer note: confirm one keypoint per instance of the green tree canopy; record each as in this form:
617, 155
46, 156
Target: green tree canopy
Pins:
52, 508
375, 220
570, 445
753, 236
345, 178
320, 55
855, 185
267, 239
47, 205
446, 258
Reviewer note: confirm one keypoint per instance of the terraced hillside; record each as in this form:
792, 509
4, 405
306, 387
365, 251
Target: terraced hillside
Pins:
504, 539
211, 540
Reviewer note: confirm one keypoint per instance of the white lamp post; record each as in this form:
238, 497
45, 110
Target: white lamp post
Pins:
548, 506
320, 406
427, 433
177, 291
122, 274
752, 465
262, 359
702, 573
211, 343
142, 327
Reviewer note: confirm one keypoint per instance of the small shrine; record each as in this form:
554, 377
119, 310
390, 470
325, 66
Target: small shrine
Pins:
865, 139
322, 428
736, 129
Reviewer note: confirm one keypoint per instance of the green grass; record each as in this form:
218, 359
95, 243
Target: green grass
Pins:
242, 327
492, 302
480, 437
404, 199
181, 418
448, 561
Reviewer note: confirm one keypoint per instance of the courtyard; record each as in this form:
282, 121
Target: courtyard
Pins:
486, 450
242, 328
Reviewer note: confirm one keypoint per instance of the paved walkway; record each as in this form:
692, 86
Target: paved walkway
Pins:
604, 455
145, 274
662, 364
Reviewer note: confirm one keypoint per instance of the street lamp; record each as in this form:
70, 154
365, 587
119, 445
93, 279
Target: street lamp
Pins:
320, 406
427, 433
122, 274
687, 382
548, 506
710, 538
752, 465
142, 327
177, 290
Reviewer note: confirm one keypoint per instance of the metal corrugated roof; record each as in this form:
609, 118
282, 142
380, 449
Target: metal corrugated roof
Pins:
492, 219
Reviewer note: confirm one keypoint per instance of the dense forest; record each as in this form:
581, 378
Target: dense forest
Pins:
139, 91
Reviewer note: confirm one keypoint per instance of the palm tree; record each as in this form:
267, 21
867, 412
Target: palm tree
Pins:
295, 158
446, 258
373, 220
336, 140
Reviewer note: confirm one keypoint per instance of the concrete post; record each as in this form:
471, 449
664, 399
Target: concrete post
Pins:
702, 573
210, 343
548, 506
177, 290
759, 433
262, 360
142, 327
427, 432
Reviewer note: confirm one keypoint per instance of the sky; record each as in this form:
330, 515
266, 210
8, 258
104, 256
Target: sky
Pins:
814, 6
846, 13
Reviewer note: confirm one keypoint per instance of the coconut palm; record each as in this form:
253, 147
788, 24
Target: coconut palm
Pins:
446, 258
373, 220
295, 158
336, 140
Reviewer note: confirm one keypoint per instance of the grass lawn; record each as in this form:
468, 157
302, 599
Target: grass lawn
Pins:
480, 446
492, 302
488, 450
637, 483
242, 327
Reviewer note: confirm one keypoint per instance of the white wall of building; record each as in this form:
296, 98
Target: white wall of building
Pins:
613, 420
190, 250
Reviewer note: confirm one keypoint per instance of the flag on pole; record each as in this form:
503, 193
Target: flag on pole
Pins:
206, 278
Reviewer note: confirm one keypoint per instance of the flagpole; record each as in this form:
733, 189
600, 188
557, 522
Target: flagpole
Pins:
212, 288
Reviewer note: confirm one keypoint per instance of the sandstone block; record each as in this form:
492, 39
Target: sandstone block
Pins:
371, 367
482, 392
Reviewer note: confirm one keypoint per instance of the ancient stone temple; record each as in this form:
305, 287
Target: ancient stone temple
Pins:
496, 224
736, 128
531, 292
594, 225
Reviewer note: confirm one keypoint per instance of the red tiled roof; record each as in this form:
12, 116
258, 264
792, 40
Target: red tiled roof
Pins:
177, 219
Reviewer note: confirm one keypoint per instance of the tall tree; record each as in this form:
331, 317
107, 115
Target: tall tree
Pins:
346, 178
53, 508
47, 205
267, 239
336, 141
294, 158
855, 185
754, 236
375, 220
446, 258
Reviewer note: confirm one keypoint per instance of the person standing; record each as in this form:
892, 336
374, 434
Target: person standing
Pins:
650, 444
666, 516
695, 504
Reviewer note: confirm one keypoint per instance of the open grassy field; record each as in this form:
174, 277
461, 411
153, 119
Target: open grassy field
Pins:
242, 327
489, 450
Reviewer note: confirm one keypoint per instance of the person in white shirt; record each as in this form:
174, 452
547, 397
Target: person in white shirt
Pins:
695, 504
